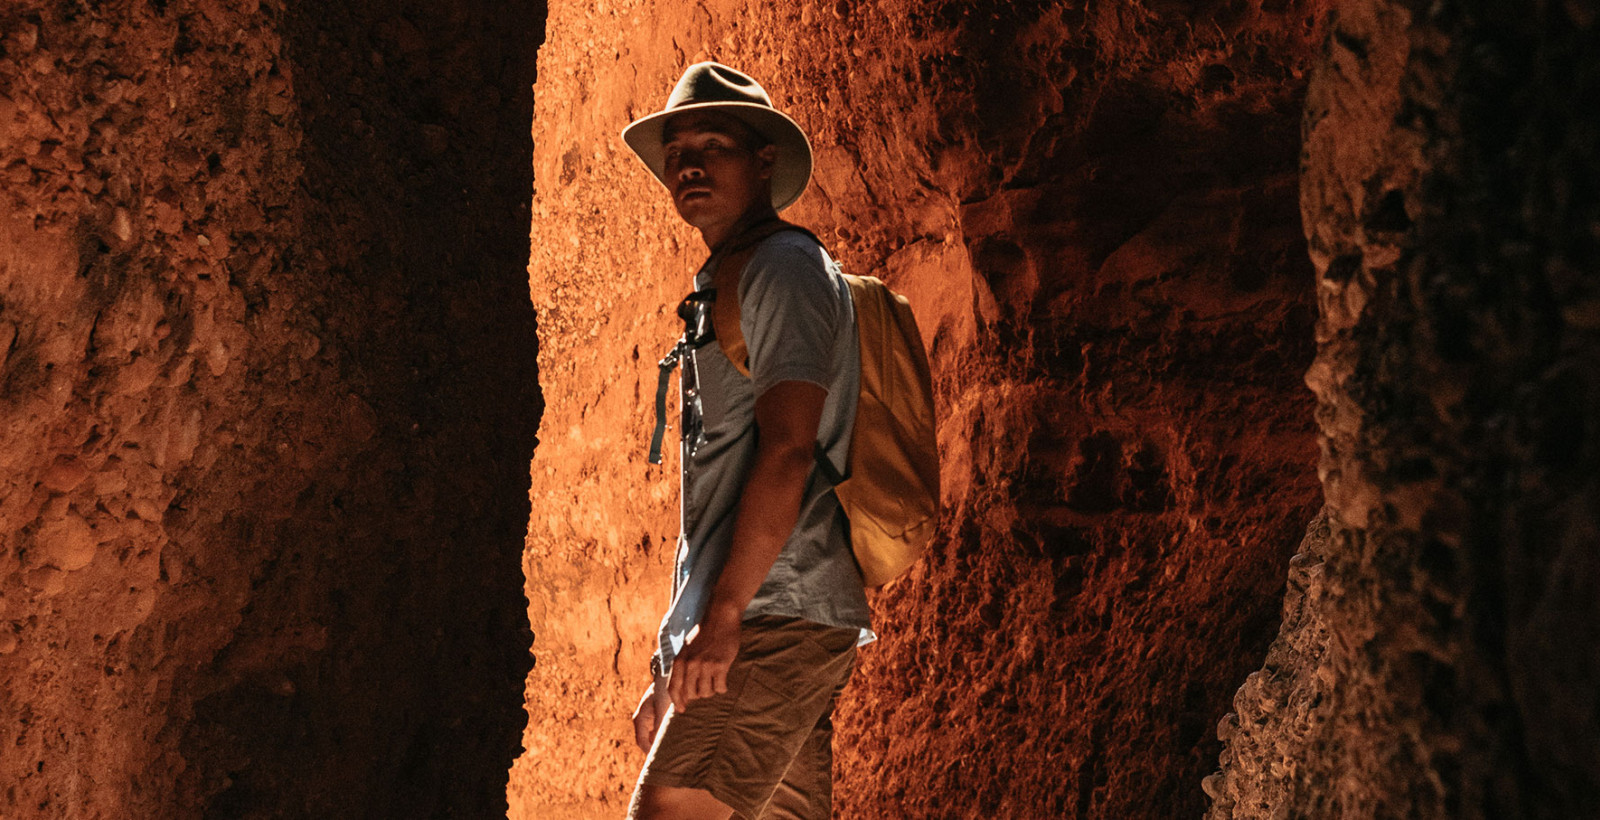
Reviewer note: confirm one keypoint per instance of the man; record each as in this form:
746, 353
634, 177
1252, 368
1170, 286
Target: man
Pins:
768, 605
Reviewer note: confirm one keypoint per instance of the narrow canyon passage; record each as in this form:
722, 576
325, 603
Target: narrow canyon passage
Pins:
1092, 207
1100, 211
291, 293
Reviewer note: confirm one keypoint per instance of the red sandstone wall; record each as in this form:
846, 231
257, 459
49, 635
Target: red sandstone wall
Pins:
267, 397
1092, 208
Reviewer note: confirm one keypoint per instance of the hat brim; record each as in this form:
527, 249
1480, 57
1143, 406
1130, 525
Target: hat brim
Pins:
791, 170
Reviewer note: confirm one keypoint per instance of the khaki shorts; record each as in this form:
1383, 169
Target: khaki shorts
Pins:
765, 746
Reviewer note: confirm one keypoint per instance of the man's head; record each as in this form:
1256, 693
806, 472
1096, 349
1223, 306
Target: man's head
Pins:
716, 167
711, 97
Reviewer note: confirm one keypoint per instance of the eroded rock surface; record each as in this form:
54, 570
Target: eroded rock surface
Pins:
1092, 209
268, 395
1443, 665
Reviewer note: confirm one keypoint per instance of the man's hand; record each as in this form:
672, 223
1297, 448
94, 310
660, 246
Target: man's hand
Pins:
701, 669
787, 415
647, 718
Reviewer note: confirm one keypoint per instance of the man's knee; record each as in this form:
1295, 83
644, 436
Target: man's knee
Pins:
676, 803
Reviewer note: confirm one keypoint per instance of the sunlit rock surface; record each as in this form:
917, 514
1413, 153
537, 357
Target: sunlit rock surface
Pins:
1093, 211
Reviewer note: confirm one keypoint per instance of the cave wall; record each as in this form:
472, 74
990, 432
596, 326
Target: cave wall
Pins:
1438, 653
1092, 210
268, 397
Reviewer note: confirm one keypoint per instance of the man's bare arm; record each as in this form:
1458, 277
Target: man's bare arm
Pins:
787, 417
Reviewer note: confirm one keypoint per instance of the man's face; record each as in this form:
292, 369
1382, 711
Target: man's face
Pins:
712, 169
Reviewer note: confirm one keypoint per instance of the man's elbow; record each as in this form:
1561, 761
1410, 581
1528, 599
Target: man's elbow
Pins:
789, 455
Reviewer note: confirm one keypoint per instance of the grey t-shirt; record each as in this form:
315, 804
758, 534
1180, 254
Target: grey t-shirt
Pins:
799, 325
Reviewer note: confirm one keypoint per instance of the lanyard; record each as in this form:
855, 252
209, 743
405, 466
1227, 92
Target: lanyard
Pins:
690, 310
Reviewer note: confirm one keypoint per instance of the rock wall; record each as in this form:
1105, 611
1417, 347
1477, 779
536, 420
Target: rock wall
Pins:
268, 397
1092, 209
1440, 661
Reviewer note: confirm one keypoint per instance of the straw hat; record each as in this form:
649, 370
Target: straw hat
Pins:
716, 87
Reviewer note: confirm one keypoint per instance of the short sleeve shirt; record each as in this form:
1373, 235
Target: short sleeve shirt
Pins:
799, 325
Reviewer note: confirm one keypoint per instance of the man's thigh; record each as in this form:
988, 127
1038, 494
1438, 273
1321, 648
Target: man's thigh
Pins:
737, 745
673, 803
806, 792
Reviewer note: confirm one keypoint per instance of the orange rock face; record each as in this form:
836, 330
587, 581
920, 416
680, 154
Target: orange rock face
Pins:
269, 381
266, 399
1093, 211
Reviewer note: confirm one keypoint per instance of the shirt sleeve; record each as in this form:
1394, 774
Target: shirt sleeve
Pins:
789, 312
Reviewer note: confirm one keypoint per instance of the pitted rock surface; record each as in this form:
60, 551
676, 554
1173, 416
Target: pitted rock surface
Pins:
1446, 666
267, 395
1092, 210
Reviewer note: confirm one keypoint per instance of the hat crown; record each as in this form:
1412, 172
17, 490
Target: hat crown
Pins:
715, 82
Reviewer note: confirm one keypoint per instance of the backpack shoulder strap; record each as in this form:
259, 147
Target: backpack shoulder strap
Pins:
725, 279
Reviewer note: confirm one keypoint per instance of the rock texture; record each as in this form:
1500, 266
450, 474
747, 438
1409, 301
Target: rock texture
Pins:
1092, 209
1441, 660
268, 395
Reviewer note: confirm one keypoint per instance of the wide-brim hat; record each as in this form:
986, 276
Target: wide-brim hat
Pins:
716, 87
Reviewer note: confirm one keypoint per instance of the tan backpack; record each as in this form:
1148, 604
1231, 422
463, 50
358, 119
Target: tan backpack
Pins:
890, 492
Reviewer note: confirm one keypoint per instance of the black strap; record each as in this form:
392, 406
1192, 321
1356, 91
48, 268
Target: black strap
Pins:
758, 231
662, 382
825, 464
691, 338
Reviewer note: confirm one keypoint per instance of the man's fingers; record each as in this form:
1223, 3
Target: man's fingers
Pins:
646, 718
702, 680
675, 685
694, 686
688, 682
684, 677
644, 728
693, 678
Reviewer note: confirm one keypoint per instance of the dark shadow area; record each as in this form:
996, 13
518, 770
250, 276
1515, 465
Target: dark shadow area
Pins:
392, 619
